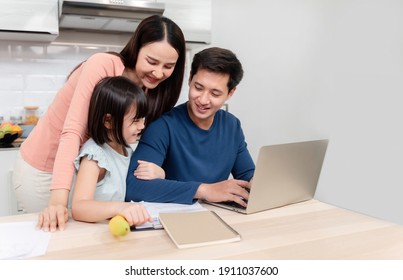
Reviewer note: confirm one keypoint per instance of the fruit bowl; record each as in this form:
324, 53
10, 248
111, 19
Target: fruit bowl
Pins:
8, 138
8, 133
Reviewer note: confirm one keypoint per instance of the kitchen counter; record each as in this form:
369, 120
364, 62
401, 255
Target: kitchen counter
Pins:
10, 147
8, 202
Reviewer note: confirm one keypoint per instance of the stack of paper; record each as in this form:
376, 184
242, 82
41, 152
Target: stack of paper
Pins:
21, 240
155, 208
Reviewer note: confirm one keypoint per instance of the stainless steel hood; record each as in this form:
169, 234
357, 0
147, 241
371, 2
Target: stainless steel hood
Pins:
120, 16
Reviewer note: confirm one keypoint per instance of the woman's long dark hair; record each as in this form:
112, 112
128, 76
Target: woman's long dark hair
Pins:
154, 29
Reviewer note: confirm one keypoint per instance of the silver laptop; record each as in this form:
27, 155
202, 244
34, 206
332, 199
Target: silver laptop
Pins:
284, 174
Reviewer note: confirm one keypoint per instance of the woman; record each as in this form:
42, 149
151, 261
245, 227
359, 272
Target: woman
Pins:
154, 59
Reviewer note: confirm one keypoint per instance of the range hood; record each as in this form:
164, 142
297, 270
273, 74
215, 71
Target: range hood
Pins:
122, 16
70, 20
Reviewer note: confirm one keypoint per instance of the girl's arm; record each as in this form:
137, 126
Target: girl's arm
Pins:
148, 171
86, 209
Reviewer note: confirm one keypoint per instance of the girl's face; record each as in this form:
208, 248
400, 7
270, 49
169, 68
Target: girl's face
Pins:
132, 127
155, 63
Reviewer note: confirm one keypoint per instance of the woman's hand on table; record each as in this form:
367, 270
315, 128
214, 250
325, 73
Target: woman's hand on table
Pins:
53, 217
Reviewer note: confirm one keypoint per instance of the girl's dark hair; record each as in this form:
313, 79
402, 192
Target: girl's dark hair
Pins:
218, 60
114, 96
154, 29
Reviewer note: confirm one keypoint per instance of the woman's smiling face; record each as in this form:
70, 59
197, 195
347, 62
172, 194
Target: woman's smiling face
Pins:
155, 63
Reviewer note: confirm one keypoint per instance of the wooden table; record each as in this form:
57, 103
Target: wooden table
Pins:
309, 230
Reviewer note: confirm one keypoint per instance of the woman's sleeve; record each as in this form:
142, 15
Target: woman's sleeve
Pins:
75, 124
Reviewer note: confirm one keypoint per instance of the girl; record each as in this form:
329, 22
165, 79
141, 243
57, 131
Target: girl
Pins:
154, 59
115, 119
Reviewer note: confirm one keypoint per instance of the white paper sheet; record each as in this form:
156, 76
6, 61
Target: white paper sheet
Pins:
21, 240
154, 209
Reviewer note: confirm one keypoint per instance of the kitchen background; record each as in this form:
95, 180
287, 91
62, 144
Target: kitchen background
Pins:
313, 69
31, 73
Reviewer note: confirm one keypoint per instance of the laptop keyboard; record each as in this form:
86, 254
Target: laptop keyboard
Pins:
233, 204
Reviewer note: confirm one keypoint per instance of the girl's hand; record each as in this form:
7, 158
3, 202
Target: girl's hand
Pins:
148, 171
135, 213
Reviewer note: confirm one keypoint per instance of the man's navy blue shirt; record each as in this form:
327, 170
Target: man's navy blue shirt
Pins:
189, 155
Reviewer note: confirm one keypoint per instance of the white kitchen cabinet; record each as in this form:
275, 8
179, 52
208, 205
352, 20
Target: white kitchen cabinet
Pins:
27, 20
8, 202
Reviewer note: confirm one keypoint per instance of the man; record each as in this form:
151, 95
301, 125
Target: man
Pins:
197, 144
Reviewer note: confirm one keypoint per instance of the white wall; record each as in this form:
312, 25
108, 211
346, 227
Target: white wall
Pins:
325, 69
